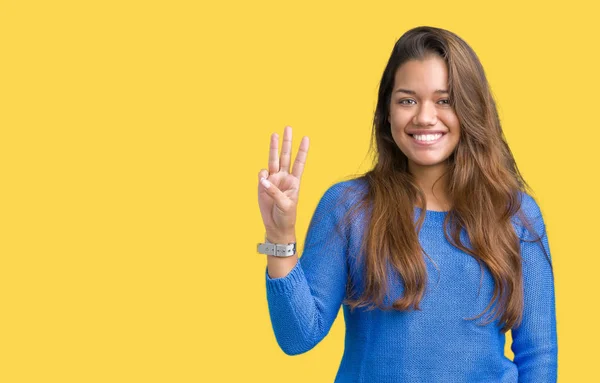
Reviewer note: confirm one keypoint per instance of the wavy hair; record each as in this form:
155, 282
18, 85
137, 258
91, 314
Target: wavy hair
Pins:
483, 186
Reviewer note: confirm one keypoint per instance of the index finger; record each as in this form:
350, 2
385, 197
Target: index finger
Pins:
301, 158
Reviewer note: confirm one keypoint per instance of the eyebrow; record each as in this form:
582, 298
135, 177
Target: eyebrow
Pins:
408, 91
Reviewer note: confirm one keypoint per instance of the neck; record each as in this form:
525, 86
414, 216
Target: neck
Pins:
432, 181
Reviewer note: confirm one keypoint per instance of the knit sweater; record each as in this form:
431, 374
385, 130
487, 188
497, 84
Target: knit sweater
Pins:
435, 344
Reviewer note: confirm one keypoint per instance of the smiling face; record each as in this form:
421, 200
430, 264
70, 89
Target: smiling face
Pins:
423, 123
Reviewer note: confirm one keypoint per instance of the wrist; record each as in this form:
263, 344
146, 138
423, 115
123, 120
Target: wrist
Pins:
281, 238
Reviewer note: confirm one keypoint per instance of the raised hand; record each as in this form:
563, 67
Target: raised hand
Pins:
278, 188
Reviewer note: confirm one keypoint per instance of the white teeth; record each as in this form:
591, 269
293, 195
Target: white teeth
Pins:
427, 137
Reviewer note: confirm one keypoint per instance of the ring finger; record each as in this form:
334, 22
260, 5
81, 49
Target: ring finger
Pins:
273, 157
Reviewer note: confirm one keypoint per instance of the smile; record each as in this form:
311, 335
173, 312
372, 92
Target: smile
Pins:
427, 139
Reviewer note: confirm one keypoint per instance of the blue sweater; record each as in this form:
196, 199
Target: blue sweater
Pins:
432, 345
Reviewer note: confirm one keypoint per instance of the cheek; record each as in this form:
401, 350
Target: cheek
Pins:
399, 120
450, 119
401, 139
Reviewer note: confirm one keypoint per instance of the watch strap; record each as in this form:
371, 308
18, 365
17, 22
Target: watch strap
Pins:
276, 249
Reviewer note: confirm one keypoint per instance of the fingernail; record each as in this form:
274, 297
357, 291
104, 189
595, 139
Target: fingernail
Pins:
265, 182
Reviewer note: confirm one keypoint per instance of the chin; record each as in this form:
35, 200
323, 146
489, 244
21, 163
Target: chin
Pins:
429, 162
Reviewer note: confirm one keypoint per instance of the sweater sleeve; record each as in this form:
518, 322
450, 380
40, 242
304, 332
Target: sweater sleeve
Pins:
304, 304
535, 341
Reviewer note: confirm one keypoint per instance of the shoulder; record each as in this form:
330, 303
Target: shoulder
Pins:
529, 205
346, 192
341, 197
529, 215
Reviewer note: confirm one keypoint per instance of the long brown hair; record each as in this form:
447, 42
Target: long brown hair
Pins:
483, 186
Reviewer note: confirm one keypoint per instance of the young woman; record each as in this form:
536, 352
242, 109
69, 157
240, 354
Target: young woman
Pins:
440, 232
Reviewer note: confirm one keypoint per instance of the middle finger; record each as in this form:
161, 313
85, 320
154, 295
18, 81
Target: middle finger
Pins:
286, 149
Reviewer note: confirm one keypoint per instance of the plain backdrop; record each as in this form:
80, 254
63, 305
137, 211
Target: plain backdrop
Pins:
132, 133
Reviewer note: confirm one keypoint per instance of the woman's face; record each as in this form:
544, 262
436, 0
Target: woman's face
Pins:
424, 125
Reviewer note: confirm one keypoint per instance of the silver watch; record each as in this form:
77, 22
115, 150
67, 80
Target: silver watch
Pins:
277, 249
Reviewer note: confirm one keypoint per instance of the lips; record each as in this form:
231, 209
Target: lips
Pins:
429, 142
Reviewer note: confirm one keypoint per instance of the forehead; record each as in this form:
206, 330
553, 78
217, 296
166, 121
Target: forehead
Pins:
422, 75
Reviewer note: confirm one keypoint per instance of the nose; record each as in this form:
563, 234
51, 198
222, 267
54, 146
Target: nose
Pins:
426, 115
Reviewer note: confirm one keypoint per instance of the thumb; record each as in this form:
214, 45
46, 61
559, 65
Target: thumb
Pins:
280, 199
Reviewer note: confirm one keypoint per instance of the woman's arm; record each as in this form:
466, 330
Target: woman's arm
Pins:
535, 341
304, 303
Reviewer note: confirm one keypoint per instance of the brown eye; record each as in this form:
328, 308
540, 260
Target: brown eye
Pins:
403, 103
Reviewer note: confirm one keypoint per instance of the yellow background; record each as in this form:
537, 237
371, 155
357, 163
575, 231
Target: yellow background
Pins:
132, 133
